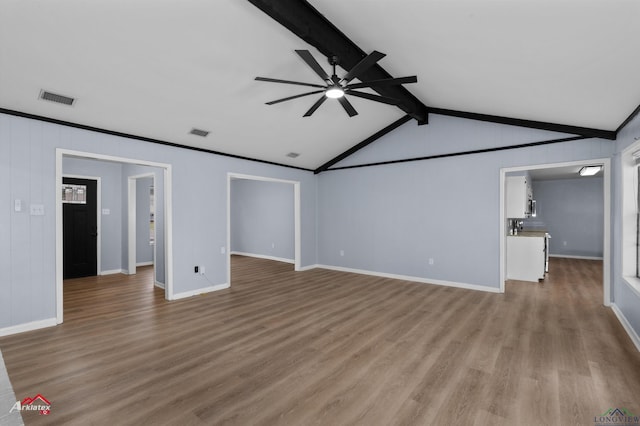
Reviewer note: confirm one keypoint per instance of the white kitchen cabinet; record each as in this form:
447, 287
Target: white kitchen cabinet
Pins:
526, 257
519, 194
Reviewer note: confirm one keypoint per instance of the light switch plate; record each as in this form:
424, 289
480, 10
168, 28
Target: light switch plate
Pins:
17, 205
106, 212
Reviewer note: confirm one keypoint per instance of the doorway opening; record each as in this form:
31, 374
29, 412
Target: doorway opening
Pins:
141, 220
269, 244
606, 225
103, 212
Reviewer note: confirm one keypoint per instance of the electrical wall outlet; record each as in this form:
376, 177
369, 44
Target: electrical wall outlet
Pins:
202, 270
341, 252
37, 209
431, 261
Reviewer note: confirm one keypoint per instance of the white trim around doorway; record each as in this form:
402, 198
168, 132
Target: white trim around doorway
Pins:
132, 209
168, 226
606, 249
296, 216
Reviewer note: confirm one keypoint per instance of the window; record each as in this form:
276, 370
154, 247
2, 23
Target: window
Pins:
630, 212
74, 194
637, 193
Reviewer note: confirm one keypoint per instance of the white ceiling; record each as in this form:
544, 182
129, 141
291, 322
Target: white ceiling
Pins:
570, 62
564, 172
159, 68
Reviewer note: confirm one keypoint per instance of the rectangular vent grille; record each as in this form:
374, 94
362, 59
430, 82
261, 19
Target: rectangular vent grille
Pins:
199, 132
293, 155
54, 97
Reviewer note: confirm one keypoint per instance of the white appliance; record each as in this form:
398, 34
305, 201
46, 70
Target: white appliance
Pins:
528, 256
547, 237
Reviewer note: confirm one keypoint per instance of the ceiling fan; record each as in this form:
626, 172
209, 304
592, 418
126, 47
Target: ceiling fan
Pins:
336, 88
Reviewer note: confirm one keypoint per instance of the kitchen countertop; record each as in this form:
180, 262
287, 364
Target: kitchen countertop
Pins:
536, 233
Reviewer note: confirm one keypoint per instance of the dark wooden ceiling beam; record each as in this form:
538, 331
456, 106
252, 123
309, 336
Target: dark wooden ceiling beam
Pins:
554, 127
139, 138
628, 119
367, 141
458, 154
306, 22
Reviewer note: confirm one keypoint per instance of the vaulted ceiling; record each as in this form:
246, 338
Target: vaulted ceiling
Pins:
157, 69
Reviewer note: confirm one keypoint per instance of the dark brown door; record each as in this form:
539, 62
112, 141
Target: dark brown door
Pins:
80, 227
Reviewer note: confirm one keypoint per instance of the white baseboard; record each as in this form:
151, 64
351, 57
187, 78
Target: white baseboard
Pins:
29, 326
414, 279
568, 256
307, 268
626, 325
159, 284
263, 256
200, 291
114, 271
149, 263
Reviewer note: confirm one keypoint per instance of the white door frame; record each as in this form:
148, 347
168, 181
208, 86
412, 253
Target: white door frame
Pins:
168, 224
296, 215
98, 180
606, 249
132, 208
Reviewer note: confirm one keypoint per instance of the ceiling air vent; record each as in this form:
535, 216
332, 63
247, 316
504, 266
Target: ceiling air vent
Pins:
293, 155
54, 97
199, 132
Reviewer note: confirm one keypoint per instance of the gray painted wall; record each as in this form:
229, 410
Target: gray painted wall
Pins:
142, 224
114, 234
394, 218
573, 213
144, 250
386, 219
625, 297
262, 218
28, 243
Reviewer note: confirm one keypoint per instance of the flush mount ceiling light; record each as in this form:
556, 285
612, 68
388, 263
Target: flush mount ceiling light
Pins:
293, 155
590, 170
199, 132
54, 97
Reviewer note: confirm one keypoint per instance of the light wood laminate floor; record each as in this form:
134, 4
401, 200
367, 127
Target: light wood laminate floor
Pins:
329, 348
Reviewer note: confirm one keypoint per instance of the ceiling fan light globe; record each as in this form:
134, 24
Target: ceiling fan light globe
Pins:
334, 93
